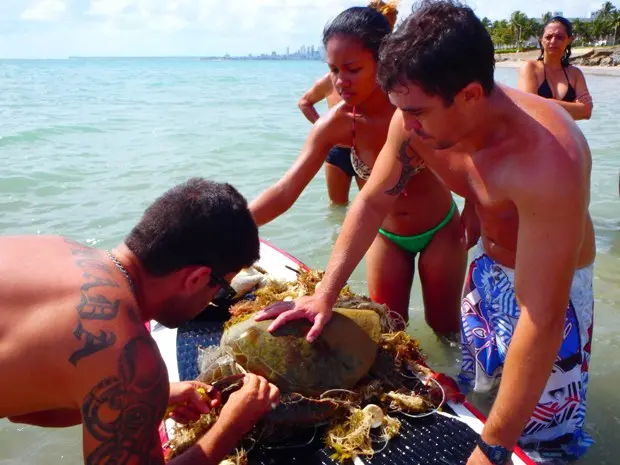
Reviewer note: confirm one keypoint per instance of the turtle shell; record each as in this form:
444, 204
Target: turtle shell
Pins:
337, 359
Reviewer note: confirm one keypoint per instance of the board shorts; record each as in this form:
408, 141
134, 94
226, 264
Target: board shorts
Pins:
489, 315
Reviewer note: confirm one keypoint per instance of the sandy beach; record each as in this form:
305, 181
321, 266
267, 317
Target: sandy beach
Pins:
514, 60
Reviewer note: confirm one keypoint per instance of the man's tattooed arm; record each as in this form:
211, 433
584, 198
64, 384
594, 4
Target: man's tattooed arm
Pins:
122, 413
411, 165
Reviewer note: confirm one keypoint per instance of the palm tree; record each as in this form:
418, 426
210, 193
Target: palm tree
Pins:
546, 17
486, 22
519, 24
606, 10
615, 24
502, 34
582, 31
599, 28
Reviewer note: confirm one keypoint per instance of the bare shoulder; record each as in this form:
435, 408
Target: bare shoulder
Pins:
575, 73
105, 307
529, 67
556, 165
125, 403
122, 384
335, 125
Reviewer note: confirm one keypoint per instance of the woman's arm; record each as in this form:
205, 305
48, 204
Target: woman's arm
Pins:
278, 198
582, 107
315, 94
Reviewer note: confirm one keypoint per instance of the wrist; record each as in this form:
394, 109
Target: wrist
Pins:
495, 453
326, 295
219, 441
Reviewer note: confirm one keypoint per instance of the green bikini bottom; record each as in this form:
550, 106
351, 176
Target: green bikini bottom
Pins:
415, 244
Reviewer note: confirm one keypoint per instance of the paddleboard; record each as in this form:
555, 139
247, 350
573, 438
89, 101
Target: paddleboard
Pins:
444, 438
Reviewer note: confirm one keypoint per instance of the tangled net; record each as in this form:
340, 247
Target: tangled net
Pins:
398, 382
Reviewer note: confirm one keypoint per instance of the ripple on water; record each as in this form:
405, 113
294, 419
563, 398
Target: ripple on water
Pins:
92, 142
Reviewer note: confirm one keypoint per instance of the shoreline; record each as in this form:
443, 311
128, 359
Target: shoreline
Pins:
516, 59
612, 71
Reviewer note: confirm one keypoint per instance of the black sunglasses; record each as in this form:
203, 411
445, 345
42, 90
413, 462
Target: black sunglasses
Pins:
226, 291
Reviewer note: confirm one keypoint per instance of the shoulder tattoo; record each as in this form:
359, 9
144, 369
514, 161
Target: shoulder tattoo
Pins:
93, 305
123, 412
410, 166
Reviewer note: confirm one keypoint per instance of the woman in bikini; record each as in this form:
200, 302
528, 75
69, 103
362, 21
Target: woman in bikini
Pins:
338, 168
552, 77
424, 221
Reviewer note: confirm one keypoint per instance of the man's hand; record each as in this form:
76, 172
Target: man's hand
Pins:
470, 225
312, 308
191, 399
245, 407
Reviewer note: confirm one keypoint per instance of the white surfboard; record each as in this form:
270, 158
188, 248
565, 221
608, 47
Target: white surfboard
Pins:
281, 265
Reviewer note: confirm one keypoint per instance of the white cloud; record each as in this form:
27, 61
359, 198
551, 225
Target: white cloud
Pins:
45, 10
198, 27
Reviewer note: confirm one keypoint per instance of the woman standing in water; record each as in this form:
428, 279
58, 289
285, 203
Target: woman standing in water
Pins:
338, 168
424, 220
551, 76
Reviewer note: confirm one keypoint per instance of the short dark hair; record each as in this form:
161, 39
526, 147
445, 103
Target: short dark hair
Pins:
442, 47
198, 222
569, 31
363, 23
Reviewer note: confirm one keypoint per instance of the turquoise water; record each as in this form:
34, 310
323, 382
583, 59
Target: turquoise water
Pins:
86, 145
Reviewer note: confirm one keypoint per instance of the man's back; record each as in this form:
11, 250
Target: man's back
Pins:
71, 342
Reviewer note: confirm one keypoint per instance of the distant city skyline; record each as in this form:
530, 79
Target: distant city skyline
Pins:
309, 52
63, 28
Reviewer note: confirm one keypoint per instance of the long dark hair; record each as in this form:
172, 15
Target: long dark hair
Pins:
364, 23
569, 30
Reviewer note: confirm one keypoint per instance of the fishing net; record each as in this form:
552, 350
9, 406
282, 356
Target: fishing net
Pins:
359, 421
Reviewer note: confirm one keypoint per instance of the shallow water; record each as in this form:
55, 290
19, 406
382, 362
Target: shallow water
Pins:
86, 145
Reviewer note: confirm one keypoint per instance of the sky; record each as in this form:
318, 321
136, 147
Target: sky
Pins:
63, 28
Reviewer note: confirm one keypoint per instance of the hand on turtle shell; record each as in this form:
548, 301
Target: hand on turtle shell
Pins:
312, 308
191, 399
246, 406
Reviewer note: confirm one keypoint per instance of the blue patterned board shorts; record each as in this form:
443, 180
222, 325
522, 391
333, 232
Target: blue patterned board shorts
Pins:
489, 315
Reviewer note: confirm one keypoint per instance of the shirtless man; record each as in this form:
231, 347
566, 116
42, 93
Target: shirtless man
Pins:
523, 166
73, 343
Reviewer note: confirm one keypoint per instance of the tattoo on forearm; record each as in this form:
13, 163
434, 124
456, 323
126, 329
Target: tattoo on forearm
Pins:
122, 412
93, 305
411, 165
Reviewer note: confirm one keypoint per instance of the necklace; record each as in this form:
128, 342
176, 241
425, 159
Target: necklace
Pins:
124, 271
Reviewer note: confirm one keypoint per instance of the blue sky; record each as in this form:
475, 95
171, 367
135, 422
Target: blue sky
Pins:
61, 28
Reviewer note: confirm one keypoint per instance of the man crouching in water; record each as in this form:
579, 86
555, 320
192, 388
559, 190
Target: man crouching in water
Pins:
73, 343
523, 166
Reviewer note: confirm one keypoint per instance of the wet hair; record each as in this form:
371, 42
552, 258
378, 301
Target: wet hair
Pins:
196, 223
361, 22
388, 9
442, 47
569, 30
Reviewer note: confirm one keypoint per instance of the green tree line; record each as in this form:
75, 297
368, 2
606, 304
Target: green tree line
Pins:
520, 30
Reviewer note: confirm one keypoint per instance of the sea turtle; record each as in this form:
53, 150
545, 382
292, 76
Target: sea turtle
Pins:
337, 360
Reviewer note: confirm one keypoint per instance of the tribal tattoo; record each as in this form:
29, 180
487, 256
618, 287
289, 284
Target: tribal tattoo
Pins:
411, 165
123, 412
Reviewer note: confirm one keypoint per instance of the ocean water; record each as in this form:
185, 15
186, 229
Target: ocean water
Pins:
86, 145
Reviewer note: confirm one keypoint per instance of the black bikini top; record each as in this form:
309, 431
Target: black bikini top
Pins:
544, 90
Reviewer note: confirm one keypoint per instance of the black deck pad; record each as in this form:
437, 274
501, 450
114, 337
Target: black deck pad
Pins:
435, 439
